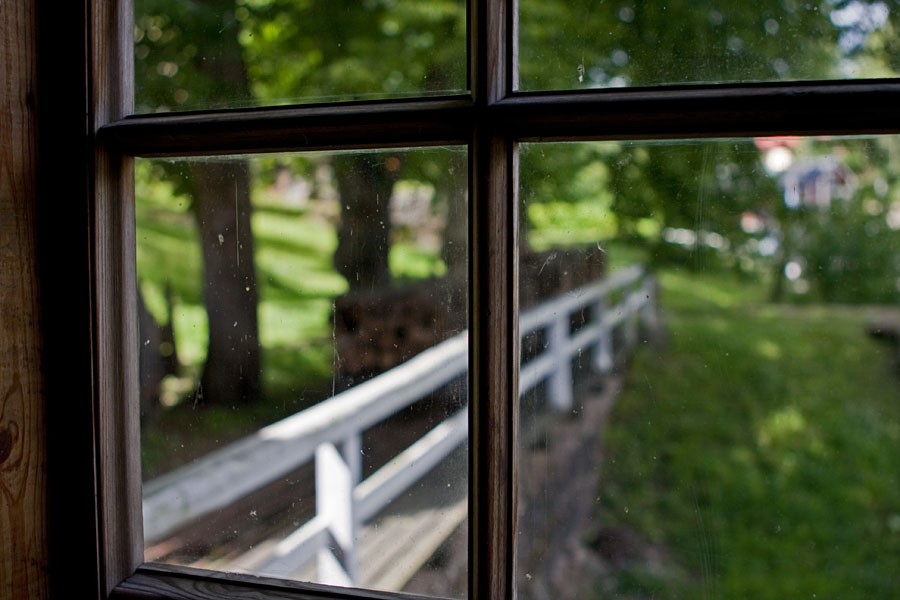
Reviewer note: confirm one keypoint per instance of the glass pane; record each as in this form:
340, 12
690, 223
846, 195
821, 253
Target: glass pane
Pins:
710, 402
303, 366
203, 54
579, 44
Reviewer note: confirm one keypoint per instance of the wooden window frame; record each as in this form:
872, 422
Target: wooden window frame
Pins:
87, 136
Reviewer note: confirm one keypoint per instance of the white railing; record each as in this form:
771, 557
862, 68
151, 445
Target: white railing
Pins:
330, 432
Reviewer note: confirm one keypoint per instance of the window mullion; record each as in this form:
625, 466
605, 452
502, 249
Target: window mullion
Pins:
493, 316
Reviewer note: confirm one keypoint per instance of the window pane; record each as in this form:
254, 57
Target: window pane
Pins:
578, 44
202, 54
303, 366
710, 402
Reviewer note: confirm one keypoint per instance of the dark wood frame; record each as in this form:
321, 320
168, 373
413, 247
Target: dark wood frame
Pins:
93, 467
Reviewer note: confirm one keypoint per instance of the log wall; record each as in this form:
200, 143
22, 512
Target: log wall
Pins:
23, 498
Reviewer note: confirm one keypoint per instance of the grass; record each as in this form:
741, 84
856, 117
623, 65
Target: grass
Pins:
759, 449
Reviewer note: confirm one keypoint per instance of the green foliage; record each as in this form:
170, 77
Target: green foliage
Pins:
191, 54
408, 261
852, 256
645, 188
758, 450
850, 250
348, 49
633, 190
187, 56
587, 44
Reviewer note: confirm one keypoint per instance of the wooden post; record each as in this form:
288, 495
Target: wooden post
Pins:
334, 502
649, 313
603, 349
351, 449
560, 385
631, 324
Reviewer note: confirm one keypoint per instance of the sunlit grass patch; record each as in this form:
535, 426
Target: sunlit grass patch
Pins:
760, 448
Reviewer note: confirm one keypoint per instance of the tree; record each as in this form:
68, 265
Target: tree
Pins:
846, 246
349, 50
223, 53
194, 52
647, 187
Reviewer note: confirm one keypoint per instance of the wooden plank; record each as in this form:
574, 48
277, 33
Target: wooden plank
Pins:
402, 546
23, 499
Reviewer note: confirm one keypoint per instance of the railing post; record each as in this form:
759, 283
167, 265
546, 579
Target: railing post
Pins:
603, 349
334, 501
351, 449
649, 314
560, 392
630, 325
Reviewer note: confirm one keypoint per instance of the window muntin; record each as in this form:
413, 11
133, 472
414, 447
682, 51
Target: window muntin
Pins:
196, 54
326, 291
586, 44
748, 421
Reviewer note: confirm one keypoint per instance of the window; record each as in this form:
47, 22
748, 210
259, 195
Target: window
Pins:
492, 119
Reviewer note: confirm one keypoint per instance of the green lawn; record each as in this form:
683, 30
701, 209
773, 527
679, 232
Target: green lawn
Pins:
758, 451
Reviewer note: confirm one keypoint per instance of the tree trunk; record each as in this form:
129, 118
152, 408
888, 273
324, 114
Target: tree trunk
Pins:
364, 183
222, 207
221, 191
453, 189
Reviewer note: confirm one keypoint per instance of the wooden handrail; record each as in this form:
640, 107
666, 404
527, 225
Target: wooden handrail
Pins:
322, 431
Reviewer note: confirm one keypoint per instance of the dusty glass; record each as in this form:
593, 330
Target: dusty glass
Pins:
580, 44
207, 54
710, 401
303, 366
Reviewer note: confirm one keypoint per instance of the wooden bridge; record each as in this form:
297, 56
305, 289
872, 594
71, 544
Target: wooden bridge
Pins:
343, 543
